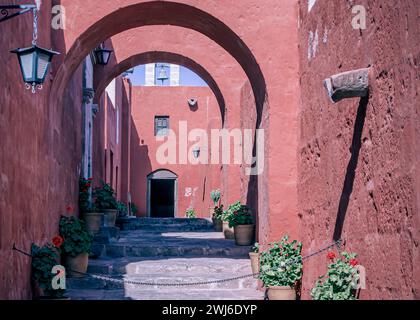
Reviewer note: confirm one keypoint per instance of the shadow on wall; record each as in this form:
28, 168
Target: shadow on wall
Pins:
140, 167
351, 168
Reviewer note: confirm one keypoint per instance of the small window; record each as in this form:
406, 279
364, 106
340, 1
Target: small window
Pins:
162, 126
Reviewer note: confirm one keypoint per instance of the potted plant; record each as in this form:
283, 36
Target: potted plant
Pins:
241, 220
255, 259
341, 279
281, 269
218, 218
227, 230
191, 214
105, 201
76, 245
87, 208
43, 260
215, 198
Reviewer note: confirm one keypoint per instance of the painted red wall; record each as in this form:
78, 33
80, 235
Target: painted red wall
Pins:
149, 102
105, 139
380, 181
40, 154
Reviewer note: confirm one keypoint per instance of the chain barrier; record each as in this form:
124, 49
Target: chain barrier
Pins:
113, 279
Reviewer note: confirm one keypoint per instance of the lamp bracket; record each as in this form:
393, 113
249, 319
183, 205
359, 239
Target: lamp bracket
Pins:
24, 8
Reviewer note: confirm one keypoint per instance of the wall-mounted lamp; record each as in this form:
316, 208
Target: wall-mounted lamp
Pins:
34, 61
102, 55
192, 103
196, 152
4, 10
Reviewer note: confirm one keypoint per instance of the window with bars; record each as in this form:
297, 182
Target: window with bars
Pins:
161, 125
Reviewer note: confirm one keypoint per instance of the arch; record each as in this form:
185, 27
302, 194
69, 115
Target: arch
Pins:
168, 181
161, 13
162, 174
107, 75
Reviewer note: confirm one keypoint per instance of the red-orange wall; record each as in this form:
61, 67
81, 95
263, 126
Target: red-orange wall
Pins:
149, 102
359, 164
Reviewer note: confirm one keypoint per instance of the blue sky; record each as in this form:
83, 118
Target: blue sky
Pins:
187, 77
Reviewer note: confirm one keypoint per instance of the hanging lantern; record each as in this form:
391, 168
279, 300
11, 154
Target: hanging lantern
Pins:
34, 63
162, 74
102, 55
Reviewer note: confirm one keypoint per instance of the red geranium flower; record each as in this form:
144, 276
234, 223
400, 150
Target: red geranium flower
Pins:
353, 262
69, 209
57, 241
331, 255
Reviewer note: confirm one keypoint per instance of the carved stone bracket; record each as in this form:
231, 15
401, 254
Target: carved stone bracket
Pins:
350, 84
88, 94
95, 109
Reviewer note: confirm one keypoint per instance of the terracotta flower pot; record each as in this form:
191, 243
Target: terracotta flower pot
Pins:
244, 234
228, 232
281, 293
218, 225
93, 221
110, 217
78, 263
255, 263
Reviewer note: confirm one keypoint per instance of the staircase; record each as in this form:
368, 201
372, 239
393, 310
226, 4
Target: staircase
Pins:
165, 251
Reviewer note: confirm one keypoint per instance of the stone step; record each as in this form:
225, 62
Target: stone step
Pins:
179, 227
130, 250
151, 282
137, 223
189, 294
164, 265
195, 294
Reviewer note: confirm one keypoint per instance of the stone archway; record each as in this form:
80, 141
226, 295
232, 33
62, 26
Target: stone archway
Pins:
161, 13
159, 56
162, 190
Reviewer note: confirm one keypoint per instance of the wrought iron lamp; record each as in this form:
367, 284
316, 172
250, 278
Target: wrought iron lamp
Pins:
102, 55
34, 61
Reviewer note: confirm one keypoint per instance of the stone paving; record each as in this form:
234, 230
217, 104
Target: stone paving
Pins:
160, 252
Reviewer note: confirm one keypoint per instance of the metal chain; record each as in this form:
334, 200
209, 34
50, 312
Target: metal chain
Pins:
122, 281
198, 283
35, 29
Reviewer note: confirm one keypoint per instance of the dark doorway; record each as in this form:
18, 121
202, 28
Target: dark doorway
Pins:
162, 194
162, 198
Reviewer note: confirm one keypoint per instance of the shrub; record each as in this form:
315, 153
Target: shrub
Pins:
134, 209
340, 281
239, 214
256, 247
43, 260
218, 213
122, 208
190, 213
215, 197
281, 265
85, 203
77, 239
105, 197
